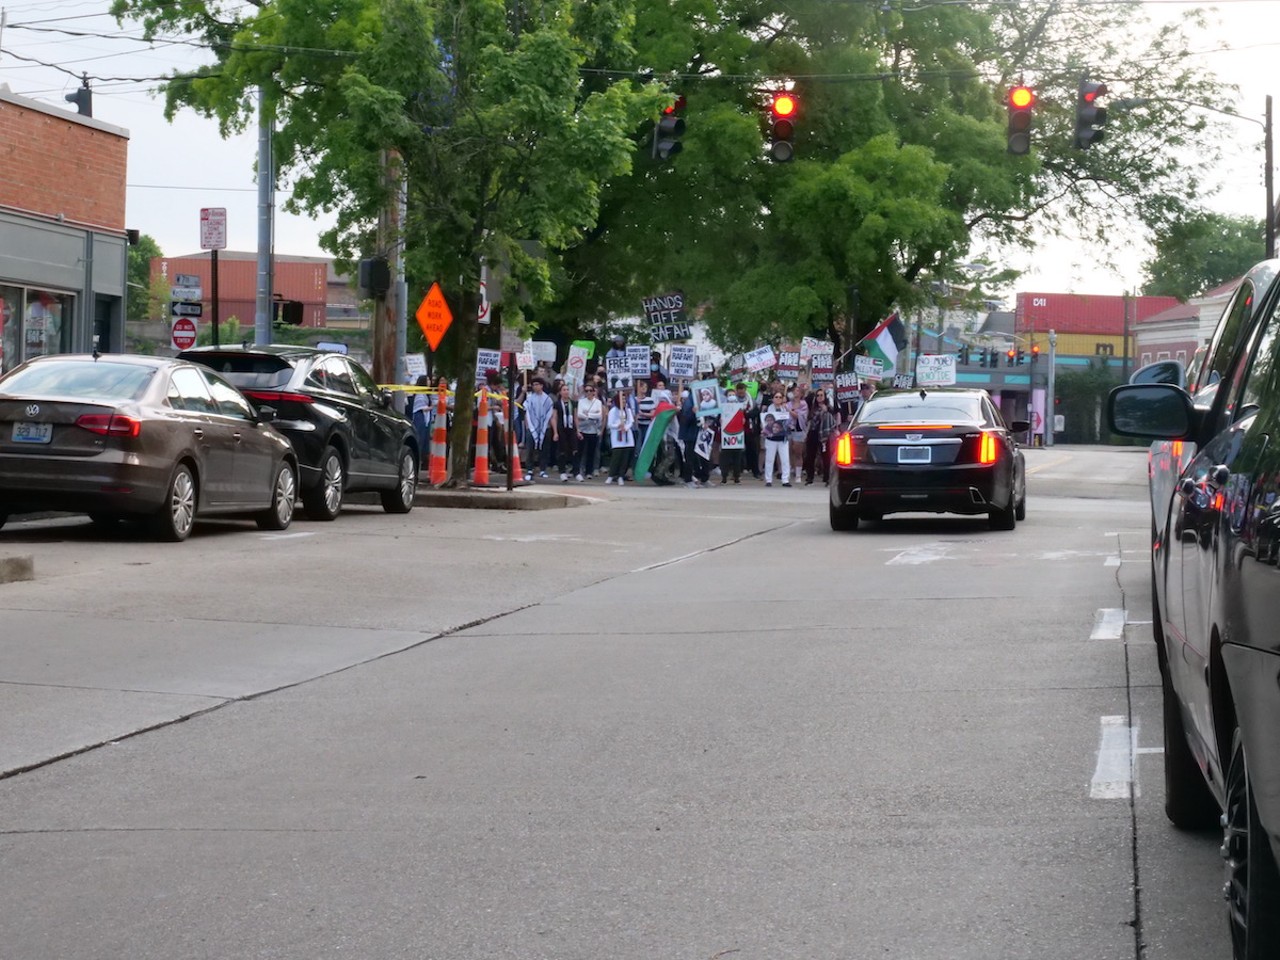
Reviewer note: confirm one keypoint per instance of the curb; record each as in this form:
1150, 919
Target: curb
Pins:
496, 499
13, 569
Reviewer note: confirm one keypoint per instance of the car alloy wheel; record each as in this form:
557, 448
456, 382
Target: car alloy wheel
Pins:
324, 501
283, 495
1252, 882
400, 499
174, 520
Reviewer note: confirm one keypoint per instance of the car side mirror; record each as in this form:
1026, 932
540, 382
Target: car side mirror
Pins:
1019, 426
1157, 411
386, 398
267, 414
1162, 371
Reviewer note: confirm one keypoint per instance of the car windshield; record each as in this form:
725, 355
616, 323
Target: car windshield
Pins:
84, 379
911, 407
247, 371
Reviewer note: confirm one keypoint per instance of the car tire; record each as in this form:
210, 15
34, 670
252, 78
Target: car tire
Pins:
1252, 886
1020, 511
172, 523
871, 516
399, 499
4, 517
1005, 518
842, 518
1188, 803
324, 500
284, 495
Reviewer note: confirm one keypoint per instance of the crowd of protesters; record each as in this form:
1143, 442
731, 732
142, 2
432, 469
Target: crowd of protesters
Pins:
579, 434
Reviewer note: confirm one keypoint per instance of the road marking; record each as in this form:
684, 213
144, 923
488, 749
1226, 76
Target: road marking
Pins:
286, 536
1045, 466
1111, 562
1108, 624
925, 553
1113, 774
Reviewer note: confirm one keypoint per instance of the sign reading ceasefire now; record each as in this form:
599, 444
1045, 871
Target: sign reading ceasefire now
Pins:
434, 316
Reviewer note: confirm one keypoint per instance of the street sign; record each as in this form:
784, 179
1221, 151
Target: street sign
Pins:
213, 228
186, 280
186, 293
186, 308
482, 311
434, 316
183, 333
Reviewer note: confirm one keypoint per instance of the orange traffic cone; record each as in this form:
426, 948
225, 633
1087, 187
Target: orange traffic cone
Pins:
480, 475
440, 438
517, 474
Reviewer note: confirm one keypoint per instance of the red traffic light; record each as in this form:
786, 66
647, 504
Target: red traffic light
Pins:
1035, 349
675, 107
1022, 97
784, 105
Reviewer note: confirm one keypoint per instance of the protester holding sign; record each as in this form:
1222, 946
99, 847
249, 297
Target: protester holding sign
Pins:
822, 424
565, 426
775, 427
621, 439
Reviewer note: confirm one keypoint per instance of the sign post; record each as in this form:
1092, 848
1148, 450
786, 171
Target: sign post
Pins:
213, 237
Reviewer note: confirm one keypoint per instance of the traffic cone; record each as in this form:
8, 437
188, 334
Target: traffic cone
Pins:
440, 439
517, 473
480, 475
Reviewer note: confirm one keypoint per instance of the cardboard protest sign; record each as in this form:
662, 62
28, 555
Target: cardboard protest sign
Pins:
617, 373
824, 368
666, 317
935, 370
761, 358
733, 423
415, 366
902, 381
868, 368
487, 360
706, 440
575, 368
811, 347
788, 363
684, 360
638, 360
544, 351
846, 387
706, 397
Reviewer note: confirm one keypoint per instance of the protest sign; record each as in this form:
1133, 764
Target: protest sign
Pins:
824, 367
733, 421
761, 358
811, 347
684, 360
575, 368
706, 440
868, 368
706, 397
415, 366
487, 360
638, 360
544, 351
902, 381
525, 360
788, 363
617, 373
846, 386
935, 370
666, 317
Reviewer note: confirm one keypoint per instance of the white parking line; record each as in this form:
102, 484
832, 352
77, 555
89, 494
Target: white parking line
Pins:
286, 536
925, 553
1113, 775
1108, 624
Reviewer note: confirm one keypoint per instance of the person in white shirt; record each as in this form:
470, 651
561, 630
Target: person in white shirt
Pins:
590, 423
622, 440
775, 430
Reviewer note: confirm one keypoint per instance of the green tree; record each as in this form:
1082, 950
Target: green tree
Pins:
1202, 252
141, 293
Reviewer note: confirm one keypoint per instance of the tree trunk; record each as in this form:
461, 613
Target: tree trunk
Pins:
467, 329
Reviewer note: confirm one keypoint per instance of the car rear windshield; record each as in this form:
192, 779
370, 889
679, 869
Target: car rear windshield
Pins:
246, 370
82, 379
912, 408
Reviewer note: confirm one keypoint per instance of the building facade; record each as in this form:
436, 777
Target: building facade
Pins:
63, 242
301, 285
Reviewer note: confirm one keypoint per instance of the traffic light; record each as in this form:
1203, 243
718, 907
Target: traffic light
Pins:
82, 98
1009, 357
1090, 117
962, 355
1035, 352
668, 131
1021, 100
782, 128
1022, 356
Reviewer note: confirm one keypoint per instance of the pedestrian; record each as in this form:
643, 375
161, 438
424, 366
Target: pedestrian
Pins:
799, 408
775, 423
423, 408
539, 415
497, 423
644, 405
692, 468
565, 424
750, 428
621, 439
822, 423
590, 423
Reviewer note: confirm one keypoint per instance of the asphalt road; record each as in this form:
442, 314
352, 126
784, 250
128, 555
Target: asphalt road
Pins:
668, 724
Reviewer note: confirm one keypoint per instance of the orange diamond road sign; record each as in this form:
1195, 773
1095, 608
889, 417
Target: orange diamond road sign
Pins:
434, 316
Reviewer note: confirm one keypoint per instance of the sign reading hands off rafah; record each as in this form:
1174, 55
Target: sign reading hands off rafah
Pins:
935, 370
684, 360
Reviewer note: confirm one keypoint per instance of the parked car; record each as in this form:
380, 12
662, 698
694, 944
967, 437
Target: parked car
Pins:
1214, 557
347, 435
944, 450
123, 437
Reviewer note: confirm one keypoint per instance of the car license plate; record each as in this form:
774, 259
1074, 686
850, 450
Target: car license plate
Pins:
26, 432
915, 454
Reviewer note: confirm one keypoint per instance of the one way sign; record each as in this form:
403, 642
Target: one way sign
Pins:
185, 308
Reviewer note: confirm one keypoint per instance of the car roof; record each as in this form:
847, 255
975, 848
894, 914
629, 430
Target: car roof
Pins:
976, 392
137, 359
284, 350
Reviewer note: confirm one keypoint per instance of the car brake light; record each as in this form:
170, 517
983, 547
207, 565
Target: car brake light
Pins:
110, 424
914, 426
278, 396
844, 450
987, 449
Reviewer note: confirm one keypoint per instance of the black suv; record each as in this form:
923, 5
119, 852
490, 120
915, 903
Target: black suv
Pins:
343, 428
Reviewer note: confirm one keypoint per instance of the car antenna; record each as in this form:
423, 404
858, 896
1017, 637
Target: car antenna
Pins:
922, 393
96, 354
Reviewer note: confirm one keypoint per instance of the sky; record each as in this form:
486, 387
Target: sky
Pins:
176, 169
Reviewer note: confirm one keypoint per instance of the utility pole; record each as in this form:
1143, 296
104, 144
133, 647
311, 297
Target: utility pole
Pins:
266, 214
1268, 177
385, 370
1050, 400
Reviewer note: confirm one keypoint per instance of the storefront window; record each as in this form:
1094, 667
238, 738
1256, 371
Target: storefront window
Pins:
33, 323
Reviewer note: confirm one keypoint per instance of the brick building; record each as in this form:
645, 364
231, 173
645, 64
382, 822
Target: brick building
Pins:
63, 242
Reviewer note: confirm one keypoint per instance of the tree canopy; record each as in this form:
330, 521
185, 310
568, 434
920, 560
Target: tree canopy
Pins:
1201, 252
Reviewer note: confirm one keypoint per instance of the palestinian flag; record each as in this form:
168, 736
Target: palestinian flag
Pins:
885, 341
662, 414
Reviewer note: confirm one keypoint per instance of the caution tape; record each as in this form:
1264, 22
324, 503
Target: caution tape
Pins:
435, 391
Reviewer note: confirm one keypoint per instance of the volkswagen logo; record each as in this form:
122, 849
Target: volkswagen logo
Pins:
33, 409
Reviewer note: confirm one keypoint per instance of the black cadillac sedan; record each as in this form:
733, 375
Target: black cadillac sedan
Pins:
944, 450
347, 435
123, 437
1215, 562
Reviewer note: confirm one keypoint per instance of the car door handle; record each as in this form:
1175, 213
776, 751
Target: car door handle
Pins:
197, 433
237, 436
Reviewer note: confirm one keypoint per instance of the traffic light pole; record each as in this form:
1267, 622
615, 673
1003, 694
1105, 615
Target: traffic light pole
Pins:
1050, 404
